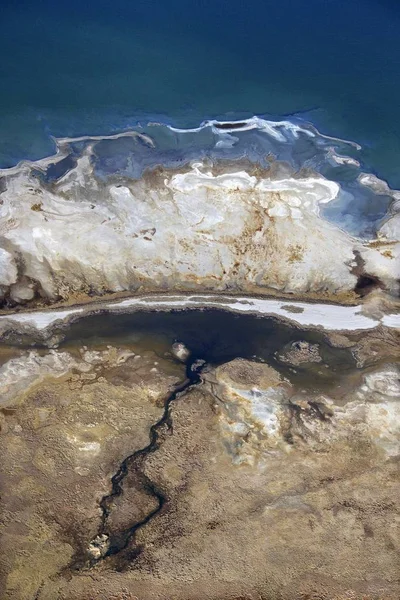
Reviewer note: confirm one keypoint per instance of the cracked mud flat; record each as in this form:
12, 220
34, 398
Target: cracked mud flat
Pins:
267, 466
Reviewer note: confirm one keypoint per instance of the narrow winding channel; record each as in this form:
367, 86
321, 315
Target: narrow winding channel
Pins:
134, 464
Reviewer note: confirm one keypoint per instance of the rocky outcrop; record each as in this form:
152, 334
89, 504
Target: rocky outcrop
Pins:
200, 229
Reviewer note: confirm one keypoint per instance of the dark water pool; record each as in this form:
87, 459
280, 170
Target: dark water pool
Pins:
217, 336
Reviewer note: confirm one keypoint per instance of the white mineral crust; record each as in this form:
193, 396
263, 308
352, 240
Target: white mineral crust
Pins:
195, 230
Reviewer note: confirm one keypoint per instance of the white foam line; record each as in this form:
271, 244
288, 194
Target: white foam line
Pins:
40, 164
178, 130
100, 138
62, 150
271, 128
325, 316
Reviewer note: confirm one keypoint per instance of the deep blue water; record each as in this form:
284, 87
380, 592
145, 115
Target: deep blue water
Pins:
77, 67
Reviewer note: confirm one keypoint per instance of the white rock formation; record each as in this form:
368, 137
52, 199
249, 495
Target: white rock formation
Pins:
194, 230
21, 373
256, 420
18, 375
8, 271
251, 410
180, 351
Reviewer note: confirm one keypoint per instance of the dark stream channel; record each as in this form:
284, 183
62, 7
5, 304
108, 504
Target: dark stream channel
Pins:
213, 337
134, 464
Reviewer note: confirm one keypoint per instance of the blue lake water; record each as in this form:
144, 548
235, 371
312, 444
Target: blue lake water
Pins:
72, 68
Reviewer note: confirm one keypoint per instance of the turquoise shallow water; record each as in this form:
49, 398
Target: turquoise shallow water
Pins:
76, 68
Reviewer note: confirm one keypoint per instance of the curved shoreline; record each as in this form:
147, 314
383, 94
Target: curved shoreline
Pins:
270, 126
306, 315
168, 217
